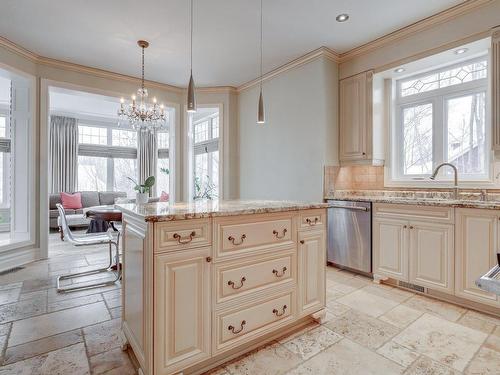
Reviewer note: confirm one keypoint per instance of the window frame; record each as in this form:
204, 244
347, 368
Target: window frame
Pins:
107, 151
395, 173
164, 153
5, 146
188, 153
206, 147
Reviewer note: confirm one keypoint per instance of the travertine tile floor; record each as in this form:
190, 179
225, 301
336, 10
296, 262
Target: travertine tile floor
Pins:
370, 329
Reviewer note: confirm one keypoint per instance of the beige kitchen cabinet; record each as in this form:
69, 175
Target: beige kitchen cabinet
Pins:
408, 248
182, 332
204, 284
431, 255
312, 260
356, 121
476, 245
390, 248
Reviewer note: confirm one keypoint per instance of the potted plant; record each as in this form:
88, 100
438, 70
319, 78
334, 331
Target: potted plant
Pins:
143, 190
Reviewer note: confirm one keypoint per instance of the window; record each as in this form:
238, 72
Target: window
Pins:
163, 165
4, 160
107, 156
92, 135
92, 173
124, 138
205, 130
123, 168
441, 117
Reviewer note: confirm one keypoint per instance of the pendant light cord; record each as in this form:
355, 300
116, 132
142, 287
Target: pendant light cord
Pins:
191, 44
142, 81
261, 12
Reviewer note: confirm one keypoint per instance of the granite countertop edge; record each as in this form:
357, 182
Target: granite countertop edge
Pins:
419, 201
187, 213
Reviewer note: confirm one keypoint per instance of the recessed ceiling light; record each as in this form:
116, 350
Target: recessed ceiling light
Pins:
460, 51
342, 17
399, 70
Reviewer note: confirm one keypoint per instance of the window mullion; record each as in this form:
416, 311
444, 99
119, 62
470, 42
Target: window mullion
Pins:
110, 174
438, 134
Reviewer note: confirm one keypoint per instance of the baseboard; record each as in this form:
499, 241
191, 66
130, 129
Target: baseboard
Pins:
15, 258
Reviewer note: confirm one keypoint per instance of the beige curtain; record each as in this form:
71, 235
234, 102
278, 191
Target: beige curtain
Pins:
147, 157
63, 154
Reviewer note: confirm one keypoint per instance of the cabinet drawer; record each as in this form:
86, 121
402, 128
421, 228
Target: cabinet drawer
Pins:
412, 212
249, 235
183, 234
311, 219
235, 279
241, 325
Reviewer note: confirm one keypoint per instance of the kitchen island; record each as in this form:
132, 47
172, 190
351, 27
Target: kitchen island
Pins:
207, 281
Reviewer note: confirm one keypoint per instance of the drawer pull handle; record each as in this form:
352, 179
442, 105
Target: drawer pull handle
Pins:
276, 272
232, 239
231, 283
277, 313
312, 222
276, 233
302, 242
242, 325
182, 241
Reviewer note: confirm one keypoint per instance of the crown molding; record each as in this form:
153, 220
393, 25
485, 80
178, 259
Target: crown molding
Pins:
54, 63
216, 90
302, 60
410, 30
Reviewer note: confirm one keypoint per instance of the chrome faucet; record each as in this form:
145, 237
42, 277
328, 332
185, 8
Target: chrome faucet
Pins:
455, 170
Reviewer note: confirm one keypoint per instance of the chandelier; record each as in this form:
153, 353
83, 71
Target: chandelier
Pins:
141, 115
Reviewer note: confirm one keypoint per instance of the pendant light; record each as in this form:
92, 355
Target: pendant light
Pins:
191, 100
261, 117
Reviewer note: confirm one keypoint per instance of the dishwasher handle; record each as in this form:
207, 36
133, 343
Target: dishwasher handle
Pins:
366, 209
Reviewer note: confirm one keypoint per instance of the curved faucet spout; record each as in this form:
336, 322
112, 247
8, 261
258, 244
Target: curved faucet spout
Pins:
455, 171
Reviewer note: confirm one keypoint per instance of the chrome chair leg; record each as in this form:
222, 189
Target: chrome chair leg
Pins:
94, 272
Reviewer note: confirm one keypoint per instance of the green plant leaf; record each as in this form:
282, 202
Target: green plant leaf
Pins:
150, 181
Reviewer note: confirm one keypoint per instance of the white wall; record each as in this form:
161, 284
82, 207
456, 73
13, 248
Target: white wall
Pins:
284, 158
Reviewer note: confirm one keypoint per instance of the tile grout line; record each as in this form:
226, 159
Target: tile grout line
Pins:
477, 351
4, 349
86, 350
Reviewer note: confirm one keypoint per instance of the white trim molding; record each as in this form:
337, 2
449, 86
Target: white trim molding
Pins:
17, 257
300, 61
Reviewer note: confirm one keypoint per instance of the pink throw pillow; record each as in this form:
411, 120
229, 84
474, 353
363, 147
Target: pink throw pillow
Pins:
71, 201
164, 197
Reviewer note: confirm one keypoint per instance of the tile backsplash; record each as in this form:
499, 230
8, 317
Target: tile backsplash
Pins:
366, 177
356, 177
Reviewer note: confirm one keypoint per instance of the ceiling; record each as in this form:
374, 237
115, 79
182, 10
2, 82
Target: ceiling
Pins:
103, 34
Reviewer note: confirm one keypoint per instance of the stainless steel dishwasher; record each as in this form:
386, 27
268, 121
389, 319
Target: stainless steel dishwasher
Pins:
350, 235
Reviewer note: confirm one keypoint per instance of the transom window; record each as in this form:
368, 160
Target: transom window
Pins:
441, 117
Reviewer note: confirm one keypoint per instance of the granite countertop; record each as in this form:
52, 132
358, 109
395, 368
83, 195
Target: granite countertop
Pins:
163, 211
442, 199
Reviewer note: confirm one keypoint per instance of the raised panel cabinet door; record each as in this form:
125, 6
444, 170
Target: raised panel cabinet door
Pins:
354, 117
312, 264
390, 248
432, 255
476, 245
182, 310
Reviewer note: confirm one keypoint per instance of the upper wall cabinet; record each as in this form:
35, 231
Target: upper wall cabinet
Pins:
495, 87
356, 120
